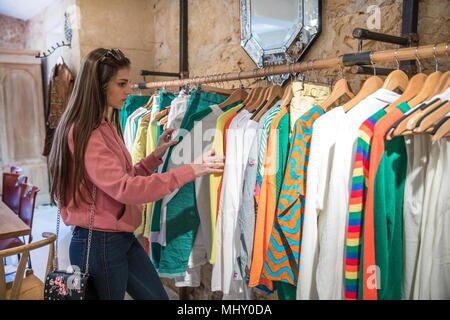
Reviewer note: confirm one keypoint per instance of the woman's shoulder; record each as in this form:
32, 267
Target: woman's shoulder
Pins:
97, 134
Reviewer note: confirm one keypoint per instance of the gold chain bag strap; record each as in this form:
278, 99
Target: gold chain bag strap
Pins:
71, 285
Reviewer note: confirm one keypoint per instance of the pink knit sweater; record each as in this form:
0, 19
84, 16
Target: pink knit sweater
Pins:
109, 167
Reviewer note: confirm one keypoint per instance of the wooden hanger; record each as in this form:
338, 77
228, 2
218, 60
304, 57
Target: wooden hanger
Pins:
371, 85
258, 99
432, 117
146, 117
162, 113
275, 93
427, 90
444, 83
413, 87
256, 93
414, 119
423, 95
287, 95
397, 79
250, 96
441, 129
340, 89
400, 125
225, 92
163, 120
238, 95
149, 103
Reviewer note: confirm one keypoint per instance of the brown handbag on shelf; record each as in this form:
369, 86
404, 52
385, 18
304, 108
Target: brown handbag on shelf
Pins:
59, 90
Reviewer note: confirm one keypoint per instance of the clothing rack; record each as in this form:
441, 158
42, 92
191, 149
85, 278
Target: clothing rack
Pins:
349, 59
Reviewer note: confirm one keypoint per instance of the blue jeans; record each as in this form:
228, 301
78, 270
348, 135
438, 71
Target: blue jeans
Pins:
118, 263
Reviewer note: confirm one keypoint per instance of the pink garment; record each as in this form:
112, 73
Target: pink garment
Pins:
108, 166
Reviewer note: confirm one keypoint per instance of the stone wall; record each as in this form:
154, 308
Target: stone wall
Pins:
214, 34
12, 33
127, 25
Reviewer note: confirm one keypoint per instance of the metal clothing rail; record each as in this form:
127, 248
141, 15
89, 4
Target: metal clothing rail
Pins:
350, 59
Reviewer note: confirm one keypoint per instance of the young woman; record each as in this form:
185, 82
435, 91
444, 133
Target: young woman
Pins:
90, 167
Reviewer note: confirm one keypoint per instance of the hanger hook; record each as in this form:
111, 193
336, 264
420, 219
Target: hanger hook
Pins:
418, 59
314, 72
254, 75
446, 50
396, 59
314, 75
435, 58
373, 64
341, 68
193, 83
241, 85
291, 67
222, 80
310, 69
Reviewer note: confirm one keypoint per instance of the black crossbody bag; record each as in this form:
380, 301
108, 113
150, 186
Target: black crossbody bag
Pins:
63, 285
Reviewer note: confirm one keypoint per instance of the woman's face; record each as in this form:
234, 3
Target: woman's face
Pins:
118, 89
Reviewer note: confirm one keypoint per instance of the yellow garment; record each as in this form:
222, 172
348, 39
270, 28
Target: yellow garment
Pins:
306, 95
214, 179
138, 153
151, 145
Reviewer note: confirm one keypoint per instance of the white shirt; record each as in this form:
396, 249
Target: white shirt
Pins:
177, 110
130, 127
432, 277
230, 199
418, 151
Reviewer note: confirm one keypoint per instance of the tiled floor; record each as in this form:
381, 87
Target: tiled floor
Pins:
45, 221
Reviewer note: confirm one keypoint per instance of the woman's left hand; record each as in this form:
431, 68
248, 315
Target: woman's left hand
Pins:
165, 141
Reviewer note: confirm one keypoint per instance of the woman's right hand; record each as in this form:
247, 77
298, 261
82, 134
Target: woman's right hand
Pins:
208, 163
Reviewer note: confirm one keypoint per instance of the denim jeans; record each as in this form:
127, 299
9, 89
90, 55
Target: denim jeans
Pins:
118, 263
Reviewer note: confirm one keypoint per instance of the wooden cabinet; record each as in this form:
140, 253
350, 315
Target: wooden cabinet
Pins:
22, 128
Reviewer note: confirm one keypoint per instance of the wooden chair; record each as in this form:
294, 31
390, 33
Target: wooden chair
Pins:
11, 190
29, 287
26, 212
26, 209
27, 204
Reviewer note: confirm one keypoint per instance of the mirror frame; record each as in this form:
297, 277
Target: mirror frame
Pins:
292, 51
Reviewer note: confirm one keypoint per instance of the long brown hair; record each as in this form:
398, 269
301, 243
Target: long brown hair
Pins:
85, 111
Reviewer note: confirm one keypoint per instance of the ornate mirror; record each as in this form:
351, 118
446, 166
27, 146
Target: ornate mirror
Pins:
279, 32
